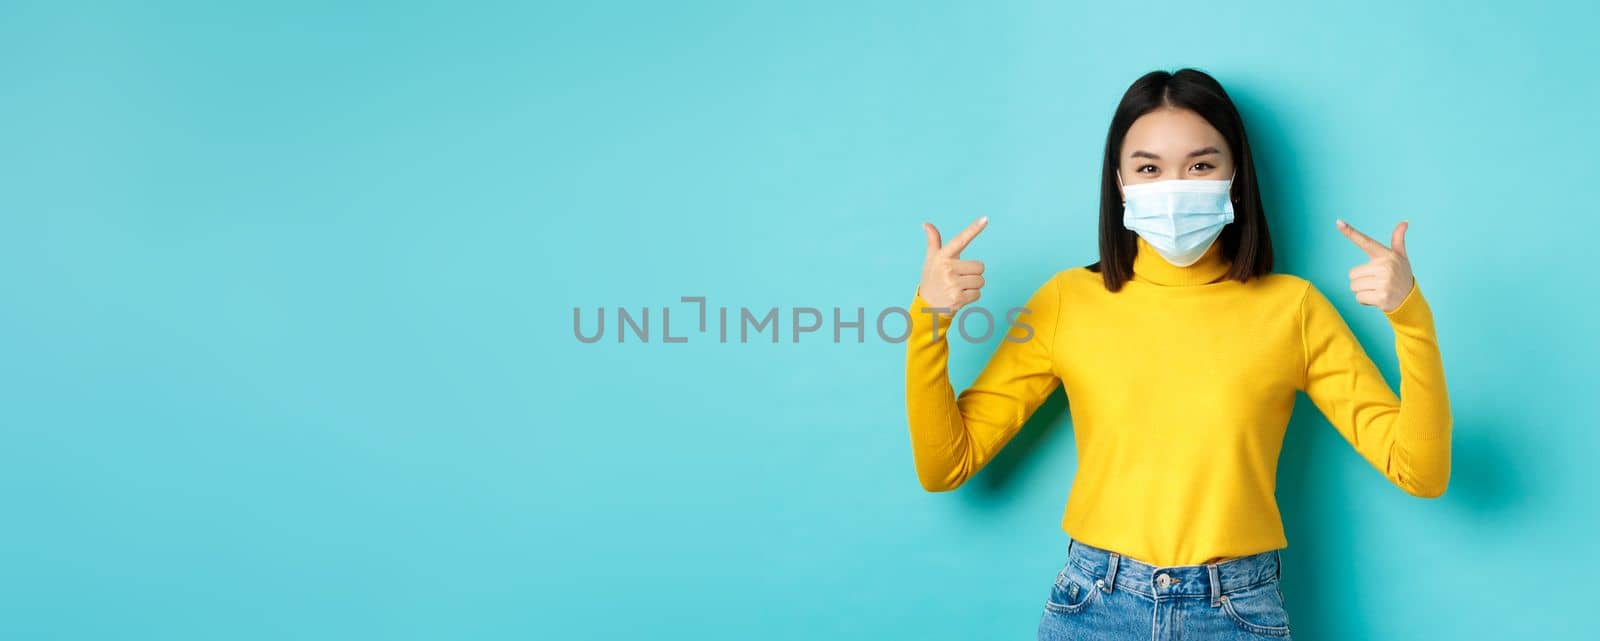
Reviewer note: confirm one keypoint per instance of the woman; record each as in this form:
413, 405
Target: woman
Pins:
1180, 353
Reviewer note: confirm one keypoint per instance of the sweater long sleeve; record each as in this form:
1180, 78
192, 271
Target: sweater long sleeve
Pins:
952, 437
1407, 438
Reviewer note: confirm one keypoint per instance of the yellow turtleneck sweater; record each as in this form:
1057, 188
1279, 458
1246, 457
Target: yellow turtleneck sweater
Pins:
1180, 388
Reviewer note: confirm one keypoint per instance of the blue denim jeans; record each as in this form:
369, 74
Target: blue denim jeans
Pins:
1100, 595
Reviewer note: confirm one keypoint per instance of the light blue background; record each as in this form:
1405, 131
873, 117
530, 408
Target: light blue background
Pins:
287, 303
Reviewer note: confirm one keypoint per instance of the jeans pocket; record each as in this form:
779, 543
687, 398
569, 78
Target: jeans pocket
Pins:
1258, 609
1073, 591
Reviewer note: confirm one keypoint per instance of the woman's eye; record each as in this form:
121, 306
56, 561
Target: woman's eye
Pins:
1201, 166
1149, 167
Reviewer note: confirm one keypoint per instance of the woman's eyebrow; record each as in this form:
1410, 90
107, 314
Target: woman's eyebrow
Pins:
1196, 153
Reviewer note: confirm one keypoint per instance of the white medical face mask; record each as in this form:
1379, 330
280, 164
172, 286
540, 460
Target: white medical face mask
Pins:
1179, 218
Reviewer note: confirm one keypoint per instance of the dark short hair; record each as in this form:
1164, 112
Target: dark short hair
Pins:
1245, 241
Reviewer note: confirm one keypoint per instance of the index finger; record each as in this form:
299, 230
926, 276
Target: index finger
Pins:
1373, 248
959, 243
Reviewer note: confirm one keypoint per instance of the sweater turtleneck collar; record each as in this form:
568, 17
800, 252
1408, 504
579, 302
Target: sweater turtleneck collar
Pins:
1150, 267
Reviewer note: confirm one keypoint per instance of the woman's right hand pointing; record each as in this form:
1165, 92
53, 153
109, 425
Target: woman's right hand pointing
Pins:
948, 281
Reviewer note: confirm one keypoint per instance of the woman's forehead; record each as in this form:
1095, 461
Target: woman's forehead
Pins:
1171, 132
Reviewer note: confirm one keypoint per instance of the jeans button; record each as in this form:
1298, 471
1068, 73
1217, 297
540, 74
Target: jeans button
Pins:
1162, 579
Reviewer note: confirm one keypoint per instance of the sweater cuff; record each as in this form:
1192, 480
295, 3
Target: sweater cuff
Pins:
924, 321
1413, 310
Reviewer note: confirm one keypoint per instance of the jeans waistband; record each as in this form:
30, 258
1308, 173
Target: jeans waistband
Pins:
1206, 579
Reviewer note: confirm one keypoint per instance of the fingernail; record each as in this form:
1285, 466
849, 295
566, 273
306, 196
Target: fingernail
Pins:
984, 219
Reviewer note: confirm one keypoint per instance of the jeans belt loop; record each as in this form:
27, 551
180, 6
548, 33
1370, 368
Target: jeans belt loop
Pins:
1216, 585
1111, 572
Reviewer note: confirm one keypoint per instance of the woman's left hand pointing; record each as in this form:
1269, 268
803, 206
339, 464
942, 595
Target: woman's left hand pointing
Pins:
1385, 279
